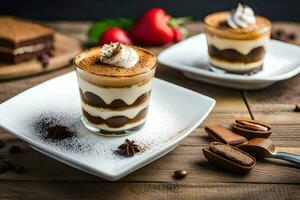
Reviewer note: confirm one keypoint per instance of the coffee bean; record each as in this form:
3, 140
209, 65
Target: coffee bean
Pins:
19, 169
51, 53
297, 108
5, 166
14, 149
292, 36
279, 32
180, 174
2, 144
44, 59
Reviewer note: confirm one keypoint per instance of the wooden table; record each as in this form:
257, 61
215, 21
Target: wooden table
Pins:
49, 179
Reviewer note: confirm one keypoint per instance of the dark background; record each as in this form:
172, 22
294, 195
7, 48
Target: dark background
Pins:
280, 10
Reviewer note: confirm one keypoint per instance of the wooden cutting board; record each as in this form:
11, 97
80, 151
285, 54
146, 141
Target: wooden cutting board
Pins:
66, 48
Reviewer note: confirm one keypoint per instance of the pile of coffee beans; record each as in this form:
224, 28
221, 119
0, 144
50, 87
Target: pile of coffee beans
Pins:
6, 165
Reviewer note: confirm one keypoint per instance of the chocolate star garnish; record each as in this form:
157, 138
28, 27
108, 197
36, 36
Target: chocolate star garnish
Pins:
129, 148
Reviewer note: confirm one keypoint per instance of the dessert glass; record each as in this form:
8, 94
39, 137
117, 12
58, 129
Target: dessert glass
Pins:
241, 50
114, 104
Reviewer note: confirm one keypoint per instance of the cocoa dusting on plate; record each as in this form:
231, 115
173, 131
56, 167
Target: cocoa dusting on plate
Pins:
53, 129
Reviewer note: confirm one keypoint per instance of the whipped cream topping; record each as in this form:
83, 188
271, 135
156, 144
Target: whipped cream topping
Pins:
242, 16
118, 55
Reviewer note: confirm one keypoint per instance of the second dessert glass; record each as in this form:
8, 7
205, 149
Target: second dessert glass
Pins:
113, 102
238, 50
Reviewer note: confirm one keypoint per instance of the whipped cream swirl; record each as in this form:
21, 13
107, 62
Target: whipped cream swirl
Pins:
242, 16
118, 55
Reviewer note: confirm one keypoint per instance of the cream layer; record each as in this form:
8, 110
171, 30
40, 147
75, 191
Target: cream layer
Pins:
235, 66
107, 128
107, 113
242, 46
128, 94
21, 50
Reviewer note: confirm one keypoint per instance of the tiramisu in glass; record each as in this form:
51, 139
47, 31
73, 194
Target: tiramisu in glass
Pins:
237, 40
115, 85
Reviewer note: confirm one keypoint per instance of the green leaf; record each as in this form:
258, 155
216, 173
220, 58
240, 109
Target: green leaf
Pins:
175, 22
100, 26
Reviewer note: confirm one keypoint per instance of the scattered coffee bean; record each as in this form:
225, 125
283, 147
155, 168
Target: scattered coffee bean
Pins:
292, 36
44, 59
51, 53
279, 32
5, 166
297, 108
2, 144
19, 169
14, 149
180, 174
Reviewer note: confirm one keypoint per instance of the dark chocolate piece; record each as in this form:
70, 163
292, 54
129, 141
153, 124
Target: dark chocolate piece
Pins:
224, 135
251, 128
232, 154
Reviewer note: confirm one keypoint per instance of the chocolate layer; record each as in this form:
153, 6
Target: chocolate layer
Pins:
232, 55
245, 72
116, 121
104, 132
11, 58
39, 40
96, 101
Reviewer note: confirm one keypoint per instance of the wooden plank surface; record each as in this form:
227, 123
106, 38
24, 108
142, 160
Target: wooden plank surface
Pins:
49, 179
138, 190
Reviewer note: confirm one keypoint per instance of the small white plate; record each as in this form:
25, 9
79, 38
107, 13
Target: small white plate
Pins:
190, 56
173, 114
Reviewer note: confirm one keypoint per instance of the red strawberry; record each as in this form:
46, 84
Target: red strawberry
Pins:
152, 28
177, 35
114, 35
180, 33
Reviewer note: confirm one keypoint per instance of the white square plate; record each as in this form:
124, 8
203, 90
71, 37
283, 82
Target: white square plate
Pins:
173, 114
190, 56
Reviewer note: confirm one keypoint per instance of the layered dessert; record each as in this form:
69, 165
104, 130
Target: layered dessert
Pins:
22, 40
115, 86
237, 40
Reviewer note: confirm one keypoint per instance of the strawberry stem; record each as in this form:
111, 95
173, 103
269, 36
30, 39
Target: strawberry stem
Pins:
175, 22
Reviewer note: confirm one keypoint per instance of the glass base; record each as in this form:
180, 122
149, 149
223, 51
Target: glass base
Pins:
102, 132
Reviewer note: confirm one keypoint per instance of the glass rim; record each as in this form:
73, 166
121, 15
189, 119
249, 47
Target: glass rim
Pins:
142, 73
266, 28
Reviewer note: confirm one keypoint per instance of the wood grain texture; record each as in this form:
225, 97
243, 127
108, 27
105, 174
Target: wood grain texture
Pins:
138, 190
270, 179
65, 48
